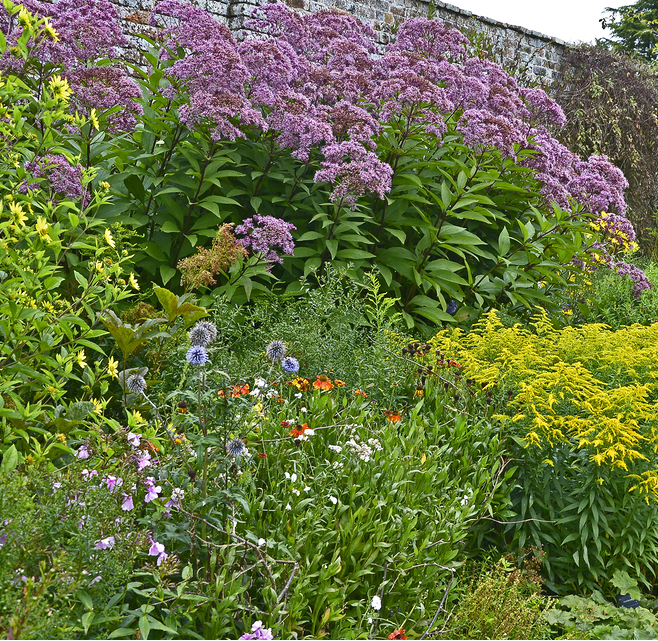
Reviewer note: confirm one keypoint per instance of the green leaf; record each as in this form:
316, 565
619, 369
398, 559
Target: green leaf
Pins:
503, 242
167, 273
10, 460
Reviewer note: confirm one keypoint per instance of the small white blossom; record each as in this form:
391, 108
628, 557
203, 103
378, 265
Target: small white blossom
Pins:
261, 542
293, 477
376, 603
335, 448
302, 410
295, 491
298, 395
307, 489
288, 507
333, 499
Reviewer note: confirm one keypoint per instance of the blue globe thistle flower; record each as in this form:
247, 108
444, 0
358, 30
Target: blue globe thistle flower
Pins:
452, 307
290, 365
136, 384
210, 328
199, 336
236, 448
197, 355
275, 351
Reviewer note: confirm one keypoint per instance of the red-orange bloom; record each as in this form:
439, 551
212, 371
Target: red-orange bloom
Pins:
339, 383
299, 430
393, 415
323, 383
360, 392
240, 390
397, 634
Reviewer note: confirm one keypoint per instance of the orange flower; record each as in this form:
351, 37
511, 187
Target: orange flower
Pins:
323, 383
240, 390
220, 392
302, 384
300, 430
393, 415
455, 364
339, 383
397, 634
360, 392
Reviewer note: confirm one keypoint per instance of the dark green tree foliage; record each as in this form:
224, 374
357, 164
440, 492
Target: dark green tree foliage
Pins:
634, 28
611, 103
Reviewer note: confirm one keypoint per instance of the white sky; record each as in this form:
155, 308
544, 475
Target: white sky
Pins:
570, 20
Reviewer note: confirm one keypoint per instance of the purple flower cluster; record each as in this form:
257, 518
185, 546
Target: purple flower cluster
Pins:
62, 178
266, 235
639, 278
105, 88
87, 31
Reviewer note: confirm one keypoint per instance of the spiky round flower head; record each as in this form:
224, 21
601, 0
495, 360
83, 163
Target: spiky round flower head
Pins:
290, 365
197, 355
275, 351
236, 448
136, 384
199, 336
210, 328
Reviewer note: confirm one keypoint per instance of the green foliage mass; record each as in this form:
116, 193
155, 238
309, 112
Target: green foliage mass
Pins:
634, 28
610, 101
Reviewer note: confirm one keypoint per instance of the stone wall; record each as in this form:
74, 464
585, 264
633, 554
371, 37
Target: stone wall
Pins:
531, 55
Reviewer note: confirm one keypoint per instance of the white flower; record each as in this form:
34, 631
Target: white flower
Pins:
335, 448
261, 542
295, 491
254, 392
260, 382
298, 395
288, 507
307, 489
293, 477
302, 410
287, 475
376, 603
333, 499
369, 619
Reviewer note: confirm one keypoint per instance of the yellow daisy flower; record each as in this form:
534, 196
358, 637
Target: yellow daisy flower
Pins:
59, 87
50, 30
18, 213
113, 368
42, 227
81, 359
133, 282
93, 117
109, 240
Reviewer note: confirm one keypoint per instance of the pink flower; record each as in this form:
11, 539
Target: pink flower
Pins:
134, 439
158, 549
144, 461
127, 504
152, 490
83, 453
113, 482
103, 544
